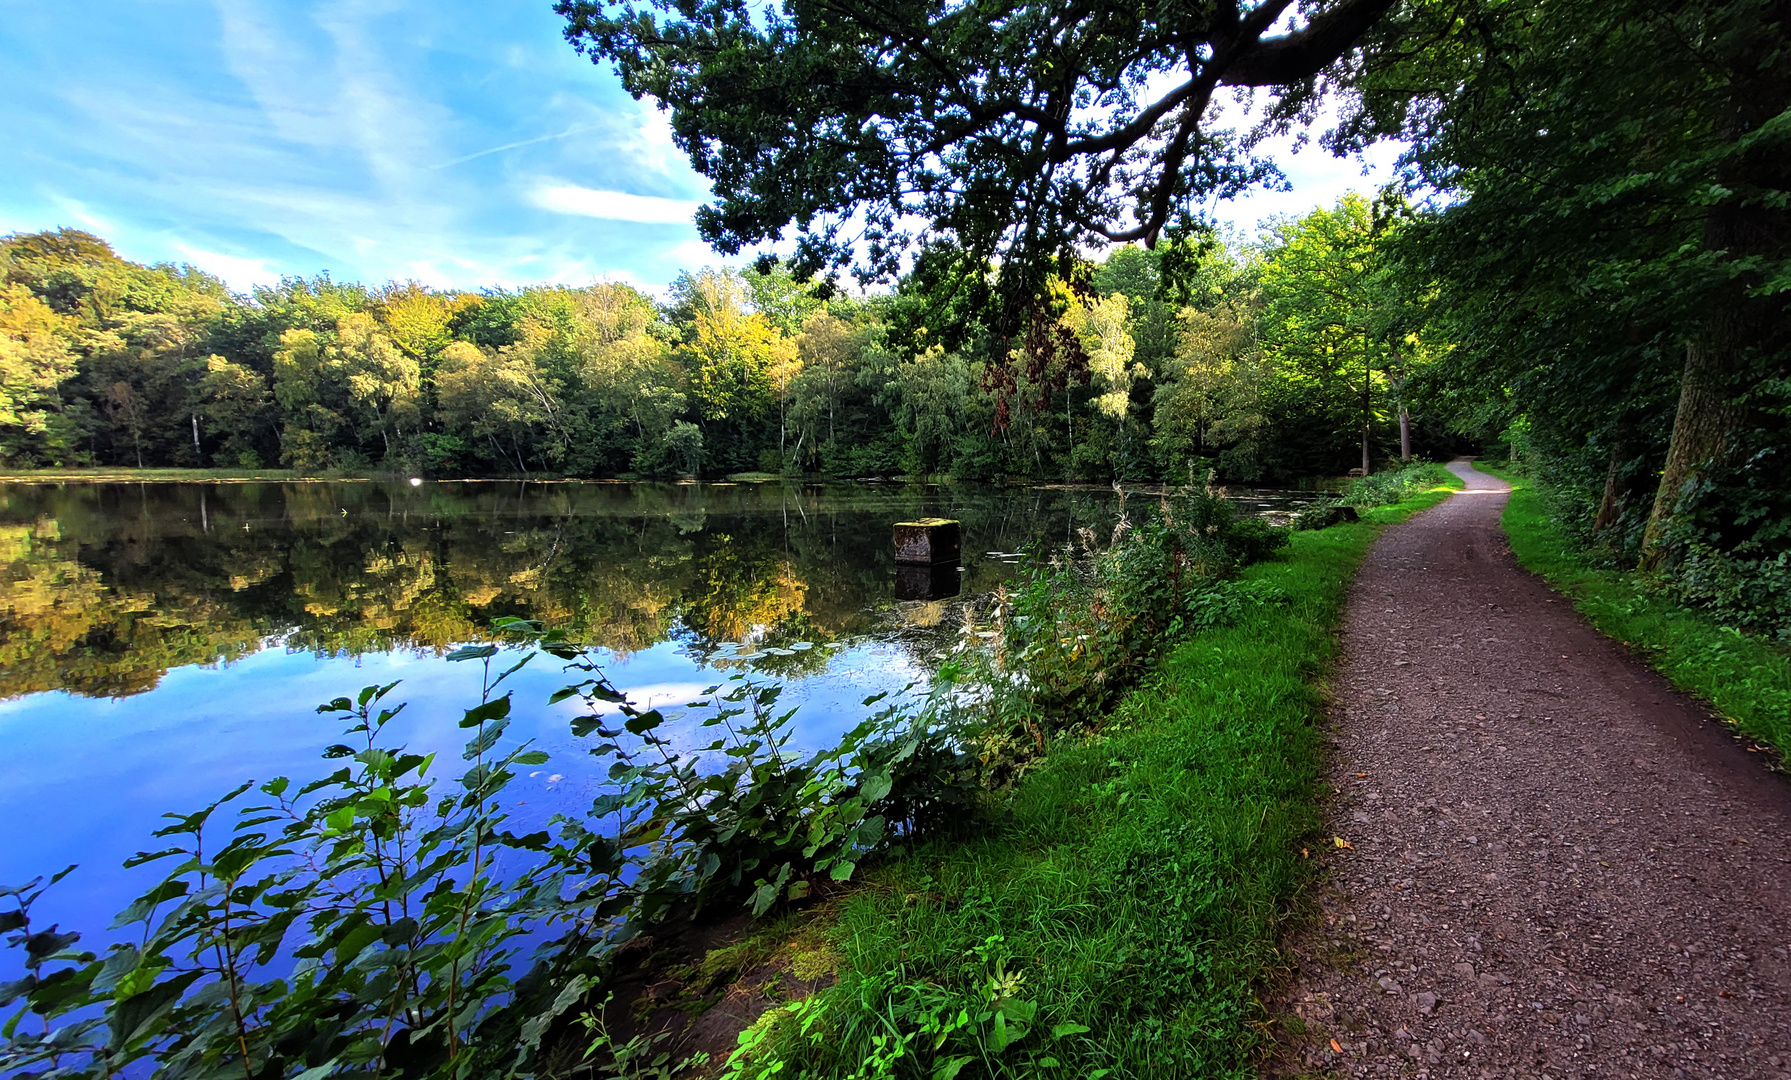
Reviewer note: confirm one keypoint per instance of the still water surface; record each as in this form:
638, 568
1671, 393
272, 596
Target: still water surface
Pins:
162, 643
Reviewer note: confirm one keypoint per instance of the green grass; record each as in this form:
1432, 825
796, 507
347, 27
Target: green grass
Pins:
1139, 882
1744, 678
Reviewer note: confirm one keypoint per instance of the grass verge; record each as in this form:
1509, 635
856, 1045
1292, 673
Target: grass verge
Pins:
1744, 678
153, 476
1125, 914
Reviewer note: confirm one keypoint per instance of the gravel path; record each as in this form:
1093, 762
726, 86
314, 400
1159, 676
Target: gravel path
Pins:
1561, 866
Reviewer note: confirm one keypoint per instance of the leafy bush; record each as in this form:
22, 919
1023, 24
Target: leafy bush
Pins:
1076, 632
1752, 594
1387, 488
358, 923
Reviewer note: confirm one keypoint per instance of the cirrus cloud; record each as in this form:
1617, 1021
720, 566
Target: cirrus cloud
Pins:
613, 205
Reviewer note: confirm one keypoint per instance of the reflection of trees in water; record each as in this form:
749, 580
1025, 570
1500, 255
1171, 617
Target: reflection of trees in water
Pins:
104, 587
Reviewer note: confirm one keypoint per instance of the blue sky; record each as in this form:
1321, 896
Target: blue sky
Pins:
458, 142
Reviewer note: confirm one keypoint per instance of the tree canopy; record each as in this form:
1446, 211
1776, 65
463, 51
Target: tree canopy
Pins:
1018, 132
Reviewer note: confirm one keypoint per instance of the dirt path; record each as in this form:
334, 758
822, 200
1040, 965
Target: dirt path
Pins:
1561, 866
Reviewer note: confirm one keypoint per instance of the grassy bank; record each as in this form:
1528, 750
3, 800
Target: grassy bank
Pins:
1745, 678
1124, 915
151, 476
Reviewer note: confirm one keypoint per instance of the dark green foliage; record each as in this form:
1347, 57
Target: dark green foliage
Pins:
965, 135
1612, 262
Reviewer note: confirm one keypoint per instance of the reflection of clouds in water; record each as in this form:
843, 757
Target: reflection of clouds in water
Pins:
204, 730
386, 577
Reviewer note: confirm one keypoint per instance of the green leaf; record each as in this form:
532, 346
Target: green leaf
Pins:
876, 787
491, 710
842, 870
1058, 1031
645, 722
532, 757
472, 652
950, 1067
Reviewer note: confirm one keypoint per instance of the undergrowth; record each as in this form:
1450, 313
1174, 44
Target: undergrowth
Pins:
1744, 677
1121, 916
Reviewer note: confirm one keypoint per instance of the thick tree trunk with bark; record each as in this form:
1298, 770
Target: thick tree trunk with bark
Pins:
1707, 416
1740, 324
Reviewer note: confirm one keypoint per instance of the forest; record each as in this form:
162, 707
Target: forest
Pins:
1258, 365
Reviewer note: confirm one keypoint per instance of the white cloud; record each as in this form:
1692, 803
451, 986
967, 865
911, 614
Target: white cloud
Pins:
241, 274
613, 205
84, 217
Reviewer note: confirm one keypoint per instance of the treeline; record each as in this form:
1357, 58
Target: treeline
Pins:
1256, 363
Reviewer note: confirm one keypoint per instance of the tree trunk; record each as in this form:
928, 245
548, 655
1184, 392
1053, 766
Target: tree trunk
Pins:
1609, 506
1706, 417
1405, 435
1711, 413
198, 454
1367, 401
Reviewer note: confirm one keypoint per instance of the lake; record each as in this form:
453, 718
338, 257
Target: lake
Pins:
162, 643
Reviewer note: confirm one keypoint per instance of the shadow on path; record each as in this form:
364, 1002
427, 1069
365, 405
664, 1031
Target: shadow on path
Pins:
1562, 867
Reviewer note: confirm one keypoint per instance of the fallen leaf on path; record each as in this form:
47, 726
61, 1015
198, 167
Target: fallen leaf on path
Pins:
1304, 854
1335, 1049
1342, 843
1360, 775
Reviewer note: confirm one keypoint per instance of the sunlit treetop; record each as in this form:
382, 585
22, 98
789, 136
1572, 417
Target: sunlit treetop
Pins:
1009, 132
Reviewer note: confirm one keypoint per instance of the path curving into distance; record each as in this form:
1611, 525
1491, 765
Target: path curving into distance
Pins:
1562, 867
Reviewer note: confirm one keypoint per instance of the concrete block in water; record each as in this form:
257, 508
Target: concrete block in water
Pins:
928, 541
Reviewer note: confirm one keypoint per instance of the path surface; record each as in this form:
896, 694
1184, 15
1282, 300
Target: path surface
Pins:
1562, 867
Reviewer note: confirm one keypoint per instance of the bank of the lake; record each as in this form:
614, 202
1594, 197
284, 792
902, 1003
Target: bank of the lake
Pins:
1124, 913
1744, 677
1109, 899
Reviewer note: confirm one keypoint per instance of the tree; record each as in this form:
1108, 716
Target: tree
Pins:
1211, 395
729, 350
1012, 132
235, 402
35, 359
1616, 253
384, 380
501, 395
1319, 323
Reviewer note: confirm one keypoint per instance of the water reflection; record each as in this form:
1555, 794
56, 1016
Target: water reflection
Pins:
106, 587
161, 643
937, 581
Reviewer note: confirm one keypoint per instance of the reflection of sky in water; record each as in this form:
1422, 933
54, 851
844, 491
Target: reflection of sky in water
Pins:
113, 588
82, 779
